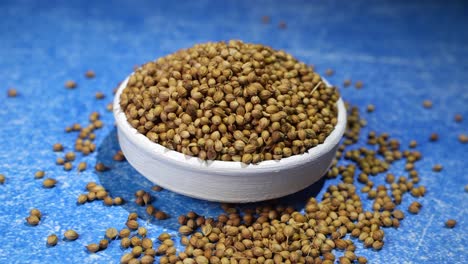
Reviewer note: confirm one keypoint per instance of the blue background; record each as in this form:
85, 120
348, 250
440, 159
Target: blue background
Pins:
403, 51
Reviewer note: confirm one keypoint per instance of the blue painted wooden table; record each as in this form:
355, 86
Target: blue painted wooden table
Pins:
403, 51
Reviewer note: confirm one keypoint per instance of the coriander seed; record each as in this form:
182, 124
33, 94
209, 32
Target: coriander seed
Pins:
90, 74
346, 83
49, 183
12, 92
359, 85
92, 248
39, 174
463, 138
450, 223
458, 118
99, 95
103, 244
427, 104
434, 137
82, 166
2, 179
329, 72
32, 220
57, 147
71, 235
437, 168
52, 240
70, 84
111, 233
67, 166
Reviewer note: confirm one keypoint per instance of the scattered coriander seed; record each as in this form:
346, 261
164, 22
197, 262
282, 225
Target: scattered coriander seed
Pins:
71, 235
450, 223
2, 179
49, 183
90, 74
164, 236
82, 198
108, 201
111, 233
32, 220
119, 156
67, 166
99, 95
156, 188
185, 230
329, 72
60, 161
57, 147
414, 208
370, 108
12, 92
346, 83
92, 248
413, 144
82, 166
142, 231
437, 168
39, 174
458, 118
100, 167
132, 224
126, 258
160, 215
70, 84
265, 19
359, 84
109, 107
463, 138
103, 244
70, 156
125, 242
427, 104
282, 25
36, 212
434, 137
147, 259
52, 240
466, 188
118, 201
124, 233
146, 243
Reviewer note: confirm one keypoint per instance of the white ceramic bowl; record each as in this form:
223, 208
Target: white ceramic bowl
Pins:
225, 181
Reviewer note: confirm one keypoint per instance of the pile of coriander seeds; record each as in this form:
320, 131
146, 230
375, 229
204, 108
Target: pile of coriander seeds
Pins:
232, 102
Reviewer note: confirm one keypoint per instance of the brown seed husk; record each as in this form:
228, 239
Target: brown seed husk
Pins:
52, 240
450, 223
92, 248
49, 183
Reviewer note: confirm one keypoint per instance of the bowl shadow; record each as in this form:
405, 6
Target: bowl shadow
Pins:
123, 180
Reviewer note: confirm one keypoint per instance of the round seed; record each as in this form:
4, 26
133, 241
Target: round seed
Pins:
52, 240
92, 248
71, 235
70, 84
49, 183
450, 223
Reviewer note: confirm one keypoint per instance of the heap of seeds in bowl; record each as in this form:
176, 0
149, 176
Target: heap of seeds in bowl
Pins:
232, 102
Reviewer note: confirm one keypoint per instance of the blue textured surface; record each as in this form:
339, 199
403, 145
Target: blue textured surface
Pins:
404, 52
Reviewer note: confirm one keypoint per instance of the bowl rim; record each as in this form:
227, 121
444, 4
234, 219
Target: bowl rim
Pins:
159, 152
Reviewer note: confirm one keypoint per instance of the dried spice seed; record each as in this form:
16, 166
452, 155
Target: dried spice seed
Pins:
125, 242
450, 223
359, 85
82, 198
346, 83
157, 188
82, 166
100, 167
39, 174
437, 168
71, 235
99, 95
36, 213
329, 72
12, 92
125, 259
67, 166
49, 183
414, 208
160, 215
458, 118
463, 138
92, 248
142, 231
90, 74
282, 25
2, 179
124, 233
32, 220
60, 161
434, 137
111, 233
427, 104
132, 224
57, 147
70, 156
118, 201
266, 19
119, 156
52, 240
70, 84
370, 108
103, 244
